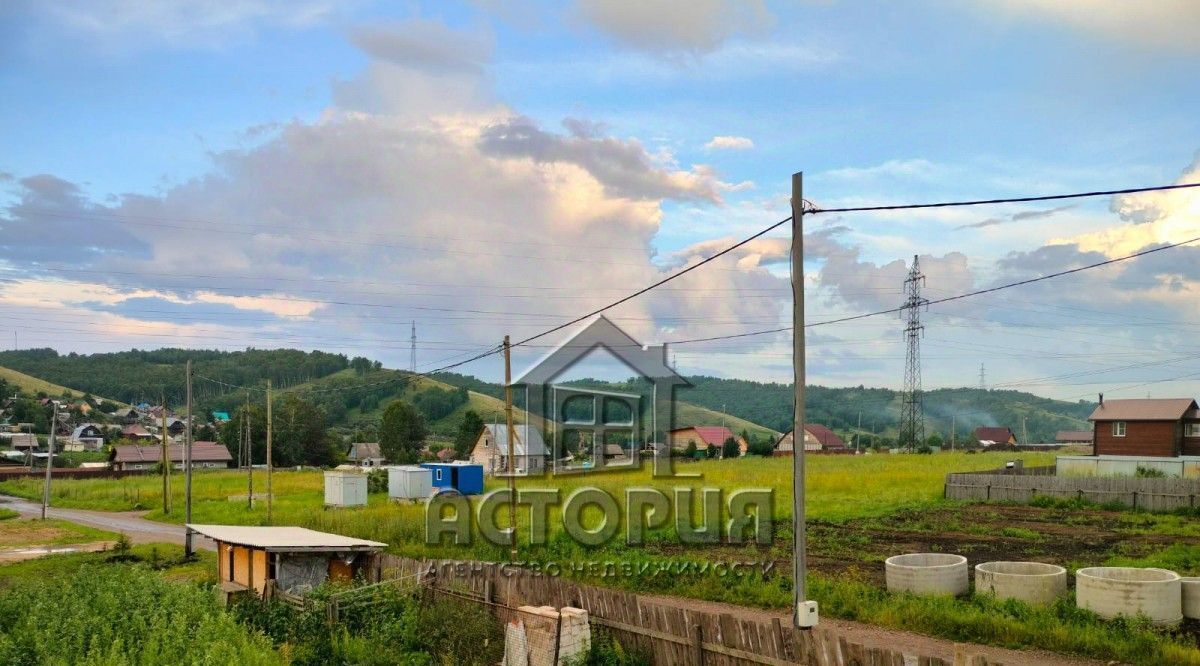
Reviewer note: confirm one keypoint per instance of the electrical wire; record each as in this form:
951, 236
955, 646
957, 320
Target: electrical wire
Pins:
816, 210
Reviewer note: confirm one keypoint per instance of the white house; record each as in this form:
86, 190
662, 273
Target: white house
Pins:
491, 450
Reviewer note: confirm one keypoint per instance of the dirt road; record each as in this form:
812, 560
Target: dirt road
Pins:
130, 523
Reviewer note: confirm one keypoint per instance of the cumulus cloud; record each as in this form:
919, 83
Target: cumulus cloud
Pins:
1169, 24
443, 206
729, 143
425, 45
624, 167
1168, 216
672, 26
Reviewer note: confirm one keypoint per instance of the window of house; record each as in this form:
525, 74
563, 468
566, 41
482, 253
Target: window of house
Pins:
1191, 430
439, 475
1118, 428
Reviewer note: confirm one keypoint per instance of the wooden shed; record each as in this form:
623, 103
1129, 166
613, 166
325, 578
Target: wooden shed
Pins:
293, 559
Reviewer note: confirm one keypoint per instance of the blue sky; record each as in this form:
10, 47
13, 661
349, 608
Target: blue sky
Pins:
316, 174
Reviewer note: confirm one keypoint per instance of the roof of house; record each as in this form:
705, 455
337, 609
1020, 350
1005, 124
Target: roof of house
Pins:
135, 430
527, 438
23, 439
1073, 436
445, 455
283, 539
714, 435
78, 431
220, 416
825, 436
152, 453
614, 450
999, 434
360, 451
1143, 409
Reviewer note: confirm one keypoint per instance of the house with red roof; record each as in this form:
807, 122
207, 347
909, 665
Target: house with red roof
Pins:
817, 438
703, 437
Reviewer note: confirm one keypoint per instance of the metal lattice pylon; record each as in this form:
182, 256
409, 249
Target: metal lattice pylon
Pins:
912, 416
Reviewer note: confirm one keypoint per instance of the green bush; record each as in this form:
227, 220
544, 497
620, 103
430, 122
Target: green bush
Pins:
122, 614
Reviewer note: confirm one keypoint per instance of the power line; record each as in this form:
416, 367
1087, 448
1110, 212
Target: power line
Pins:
657, 284
816, 210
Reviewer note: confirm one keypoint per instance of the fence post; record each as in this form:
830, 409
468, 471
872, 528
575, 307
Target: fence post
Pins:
988, 497
1134, 493
697, 645
557, 638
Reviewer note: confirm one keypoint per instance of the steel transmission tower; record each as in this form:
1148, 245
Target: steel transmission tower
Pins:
912, 417
412, 351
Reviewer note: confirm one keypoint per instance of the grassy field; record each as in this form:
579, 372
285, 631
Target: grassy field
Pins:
860, 510
21, 533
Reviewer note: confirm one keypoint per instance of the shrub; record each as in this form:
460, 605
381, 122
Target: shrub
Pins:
377, 481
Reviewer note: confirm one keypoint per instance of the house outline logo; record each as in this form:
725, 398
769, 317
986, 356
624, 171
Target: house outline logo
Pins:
545, 401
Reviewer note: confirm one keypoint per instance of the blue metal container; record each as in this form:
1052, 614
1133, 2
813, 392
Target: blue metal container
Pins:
466, 478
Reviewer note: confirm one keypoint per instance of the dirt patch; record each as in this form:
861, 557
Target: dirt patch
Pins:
15, 533
32, 552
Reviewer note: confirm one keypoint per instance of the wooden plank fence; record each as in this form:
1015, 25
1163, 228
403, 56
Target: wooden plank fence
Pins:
1148, 494
668, 634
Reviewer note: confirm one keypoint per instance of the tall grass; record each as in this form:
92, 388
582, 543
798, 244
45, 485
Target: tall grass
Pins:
122, 614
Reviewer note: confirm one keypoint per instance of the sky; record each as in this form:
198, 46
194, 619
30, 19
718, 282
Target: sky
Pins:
321, 175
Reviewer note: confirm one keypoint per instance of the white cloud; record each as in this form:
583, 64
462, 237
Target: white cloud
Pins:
1165, 24
672, 26
729, 143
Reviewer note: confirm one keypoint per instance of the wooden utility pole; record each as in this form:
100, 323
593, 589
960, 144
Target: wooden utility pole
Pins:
247, 441
187, 468
269, 498
804, 612
858, 432
49, 458
953, 427
1024, 433
165, 460
508, 422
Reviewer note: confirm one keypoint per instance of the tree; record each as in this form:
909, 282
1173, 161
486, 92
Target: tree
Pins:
730, 448
299, 436
761, 447
933, 440
712, 451
402, 432
690, 451
468, 432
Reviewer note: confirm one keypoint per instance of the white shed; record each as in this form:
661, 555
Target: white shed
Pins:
409, 482
345, 488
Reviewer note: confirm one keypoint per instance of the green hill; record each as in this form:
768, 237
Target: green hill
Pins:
32, 385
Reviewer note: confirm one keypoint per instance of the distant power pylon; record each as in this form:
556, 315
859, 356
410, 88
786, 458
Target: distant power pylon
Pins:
982, 381
412, 351
912, 416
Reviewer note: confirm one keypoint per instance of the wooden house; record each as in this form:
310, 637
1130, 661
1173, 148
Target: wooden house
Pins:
703, 437
817, 439
491, 450
1158, 427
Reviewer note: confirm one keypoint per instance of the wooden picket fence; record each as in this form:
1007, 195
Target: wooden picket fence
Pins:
1148, 494
667, 634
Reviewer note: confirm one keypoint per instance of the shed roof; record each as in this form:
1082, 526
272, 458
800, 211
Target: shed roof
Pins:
1143, 409
283, 539
360, 451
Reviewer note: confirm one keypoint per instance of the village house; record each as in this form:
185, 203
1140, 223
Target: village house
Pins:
491, 450
995, 435
205, 455
365, 454
703, 437
1159, 427
136, 432
85, 437
817, 439
290, 559
1073, 437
